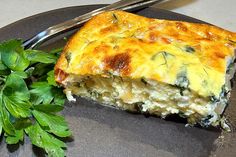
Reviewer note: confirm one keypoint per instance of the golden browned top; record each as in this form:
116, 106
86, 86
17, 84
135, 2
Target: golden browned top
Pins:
133, 46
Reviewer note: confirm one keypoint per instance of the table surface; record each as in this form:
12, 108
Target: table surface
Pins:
218, 12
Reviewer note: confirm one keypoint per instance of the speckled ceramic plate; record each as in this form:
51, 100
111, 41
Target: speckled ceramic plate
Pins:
104, 132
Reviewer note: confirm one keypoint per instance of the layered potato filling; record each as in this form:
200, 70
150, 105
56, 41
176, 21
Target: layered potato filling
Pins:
147, 96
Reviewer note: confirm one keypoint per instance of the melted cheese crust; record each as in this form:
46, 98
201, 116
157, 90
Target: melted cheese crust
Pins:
189, 55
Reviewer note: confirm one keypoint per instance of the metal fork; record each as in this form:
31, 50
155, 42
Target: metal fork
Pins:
127, 5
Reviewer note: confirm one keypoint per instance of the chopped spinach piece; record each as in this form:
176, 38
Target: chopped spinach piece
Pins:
182, 80
206, 121
230, 66
181, 114
94, 94
224, 91
143, 80
214, 99
138, 106
181, 91
189, 49
68, 57
115, 18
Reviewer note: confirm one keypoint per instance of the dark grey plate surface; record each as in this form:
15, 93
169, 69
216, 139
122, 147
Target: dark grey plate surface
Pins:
104, 132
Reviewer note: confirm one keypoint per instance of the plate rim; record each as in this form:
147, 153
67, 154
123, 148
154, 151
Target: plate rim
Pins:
65, 8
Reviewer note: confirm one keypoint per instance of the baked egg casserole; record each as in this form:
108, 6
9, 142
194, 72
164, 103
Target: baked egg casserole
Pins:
152, 66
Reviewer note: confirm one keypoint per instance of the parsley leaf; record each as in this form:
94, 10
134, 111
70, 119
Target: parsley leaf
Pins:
42, 139
2, 66
49, 108
51, 78
16, 107
30, 99
16, 87
42, 92
41, 69
5, 120
40, 56
12, 55
22, 123
56, 124
16, 96
19, 136
0, 128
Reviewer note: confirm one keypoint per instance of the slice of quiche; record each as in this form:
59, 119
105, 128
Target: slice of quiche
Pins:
152, 66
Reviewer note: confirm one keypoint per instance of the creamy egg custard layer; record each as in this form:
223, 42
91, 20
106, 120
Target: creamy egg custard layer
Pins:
151, 66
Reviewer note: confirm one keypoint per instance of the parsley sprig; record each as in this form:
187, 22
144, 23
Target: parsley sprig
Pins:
30, 99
